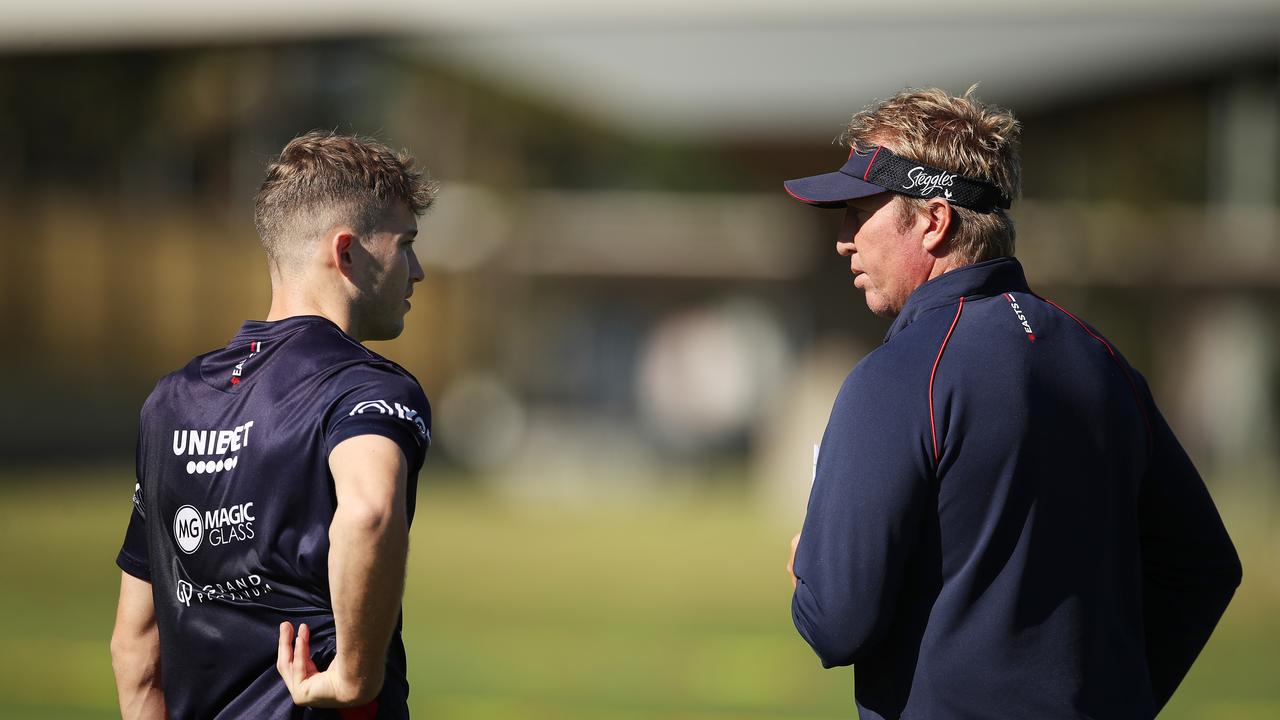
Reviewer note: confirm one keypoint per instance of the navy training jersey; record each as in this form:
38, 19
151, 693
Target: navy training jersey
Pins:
1002, 524
234, 501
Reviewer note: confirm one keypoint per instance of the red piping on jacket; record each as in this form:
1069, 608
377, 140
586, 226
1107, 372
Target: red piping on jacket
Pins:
933, 427
1133, 386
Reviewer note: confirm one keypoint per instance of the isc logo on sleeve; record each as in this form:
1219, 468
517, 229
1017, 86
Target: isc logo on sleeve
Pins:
382, 407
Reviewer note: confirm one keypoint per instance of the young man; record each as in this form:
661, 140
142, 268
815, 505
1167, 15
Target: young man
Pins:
276, 476
1002, 524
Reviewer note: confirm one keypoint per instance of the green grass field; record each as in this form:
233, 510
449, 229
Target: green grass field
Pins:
676, 610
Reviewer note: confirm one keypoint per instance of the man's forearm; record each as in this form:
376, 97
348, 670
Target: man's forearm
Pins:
136, 663
135, 652
368, 547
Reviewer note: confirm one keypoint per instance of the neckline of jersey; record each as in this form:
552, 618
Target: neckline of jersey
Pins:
268, 329
985, 279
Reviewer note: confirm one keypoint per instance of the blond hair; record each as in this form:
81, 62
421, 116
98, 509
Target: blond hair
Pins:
321, 179
958, 134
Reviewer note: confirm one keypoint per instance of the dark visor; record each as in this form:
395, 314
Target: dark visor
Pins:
875, 171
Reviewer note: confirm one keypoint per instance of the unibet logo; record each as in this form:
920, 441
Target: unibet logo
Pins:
187, 529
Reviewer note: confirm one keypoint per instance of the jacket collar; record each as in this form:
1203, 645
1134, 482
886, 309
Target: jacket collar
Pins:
984, 279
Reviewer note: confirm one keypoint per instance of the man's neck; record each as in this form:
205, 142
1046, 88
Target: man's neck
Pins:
288, 302
942, 266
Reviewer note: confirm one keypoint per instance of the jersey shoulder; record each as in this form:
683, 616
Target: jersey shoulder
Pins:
169, 384
366, 391
346, 363
900, 364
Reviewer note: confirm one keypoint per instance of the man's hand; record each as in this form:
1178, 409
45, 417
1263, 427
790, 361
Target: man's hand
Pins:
307, 685
791, 563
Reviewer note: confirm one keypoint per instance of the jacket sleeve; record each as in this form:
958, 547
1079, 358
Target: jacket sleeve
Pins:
873, 481
1190, 568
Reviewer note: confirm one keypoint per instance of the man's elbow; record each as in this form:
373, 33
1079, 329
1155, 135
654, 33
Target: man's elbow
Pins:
1224, 576
835, 640
372, 518
120, 653
834, 649
833, 654
123, 647
1235, 572
1232, 576
132, 656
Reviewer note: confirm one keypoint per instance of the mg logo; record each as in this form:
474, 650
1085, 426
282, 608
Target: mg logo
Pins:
187, 529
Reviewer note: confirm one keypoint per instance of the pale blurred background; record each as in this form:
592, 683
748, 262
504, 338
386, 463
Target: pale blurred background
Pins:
631, 337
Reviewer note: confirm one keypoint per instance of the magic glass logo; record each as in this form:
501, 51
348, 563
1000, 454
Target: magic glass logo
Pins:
187, 529
223, 526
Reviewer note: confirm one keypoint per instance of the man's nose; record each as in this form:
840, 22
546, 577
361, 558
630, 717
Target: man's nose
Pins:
848, 231
416, 273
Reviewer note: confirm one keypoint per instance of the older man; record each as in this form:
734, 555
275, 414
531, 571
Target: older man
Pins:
1002, 523
276, 475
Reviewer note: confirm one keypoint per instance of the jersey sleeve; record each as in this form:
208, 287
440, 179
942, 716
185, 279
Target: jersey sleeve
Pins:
872, 485
134, 557
376, 401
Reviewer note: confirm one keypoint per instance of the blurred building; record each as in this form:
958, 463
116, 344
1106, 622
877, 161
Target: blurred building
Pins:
616, 287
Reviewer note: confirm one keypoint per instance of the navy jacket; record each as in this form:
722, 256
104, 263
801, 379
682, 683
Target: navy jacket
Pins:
1002, 524
233, 506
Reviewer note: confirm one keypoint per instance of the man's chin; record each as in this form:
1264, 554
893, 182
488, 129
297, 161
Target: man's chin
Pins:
389, 331
393, 333
879, 306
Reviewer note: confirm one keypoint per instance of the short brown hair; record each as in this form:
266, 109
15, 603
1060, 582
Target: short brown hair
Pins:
959, 134
322, 178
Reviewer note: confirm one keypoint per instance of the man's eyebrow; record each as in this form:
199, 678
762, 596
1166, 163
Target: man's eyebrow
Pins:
409, 233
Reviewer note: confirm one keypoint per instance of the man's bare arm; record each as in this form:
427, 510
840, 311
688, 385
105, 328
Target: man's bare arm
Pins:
135, 652
368, 544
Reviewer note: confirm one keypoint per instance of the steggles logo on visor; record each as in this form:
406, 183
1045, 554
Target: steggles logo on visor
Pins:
906, 177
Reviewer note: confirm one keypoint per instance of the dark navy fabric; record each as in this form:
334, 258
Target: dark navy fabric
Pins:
234, 501
1059, 557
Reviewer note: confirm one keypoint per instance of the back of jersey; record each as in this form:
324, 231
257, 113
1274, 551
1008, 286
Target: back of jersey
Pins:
236, 498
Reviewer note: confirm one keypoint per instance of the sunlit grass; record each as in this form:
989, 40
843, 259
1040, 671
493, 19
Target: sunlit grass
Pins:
664, 610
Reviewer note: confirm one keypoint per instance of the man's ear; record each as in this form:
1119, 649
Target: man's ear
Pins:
339, 249
938, 216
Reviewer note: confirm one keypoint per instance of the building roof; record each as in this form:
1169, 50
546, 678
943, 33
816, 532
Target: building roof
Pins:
719, 67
